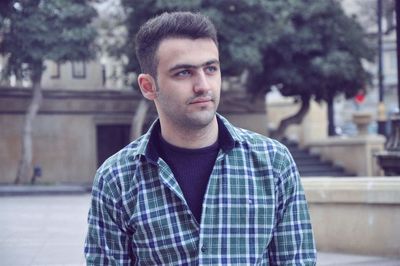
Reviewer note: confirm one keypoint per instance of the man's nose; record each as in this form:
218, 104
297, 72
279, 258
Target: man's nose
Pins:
201, 83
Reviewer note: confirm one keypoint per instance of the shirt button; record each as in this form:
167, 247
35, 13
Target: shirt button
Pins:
203, 249
250, 201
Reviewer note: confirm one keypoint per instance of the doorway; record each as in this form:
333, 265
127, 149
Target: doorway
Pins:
110, 139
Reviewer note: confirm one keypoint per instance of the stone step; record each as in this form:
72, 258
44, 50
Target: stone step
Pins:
321, 167
311, 164
300, 153
323, 173
308, 162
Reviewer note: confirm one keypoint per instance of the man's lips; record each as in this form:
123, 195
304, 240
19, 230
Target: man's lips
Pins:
201, 100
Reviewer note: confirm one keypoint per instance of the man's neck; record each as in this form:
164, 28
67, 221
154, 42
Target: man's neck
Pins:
191, 138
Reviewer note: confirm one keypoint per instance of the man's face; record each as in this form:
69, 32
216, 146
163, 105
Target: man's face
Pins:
188, 82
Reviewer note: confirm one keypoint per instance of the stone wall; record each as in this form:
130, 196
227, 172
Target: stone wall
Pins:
243, 111
355, 215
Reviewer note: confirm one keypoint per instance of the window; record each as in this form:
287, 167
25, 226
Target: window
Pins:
79, 69
54, 70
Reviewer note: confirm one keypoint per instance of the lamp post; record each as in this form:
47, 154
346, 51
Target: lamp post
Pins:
381, 106
398, 51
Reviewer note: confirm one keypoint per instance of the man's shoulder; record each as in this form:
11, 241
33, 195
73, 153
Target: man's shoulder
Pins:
267, 152
256, 140
250, 138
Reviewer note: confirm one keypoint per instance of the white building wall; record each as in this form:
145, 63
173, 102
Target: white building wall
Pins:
73, 76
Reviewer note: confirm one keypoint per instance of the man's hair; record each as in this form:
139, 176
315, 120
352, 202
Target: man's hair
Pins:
169, 25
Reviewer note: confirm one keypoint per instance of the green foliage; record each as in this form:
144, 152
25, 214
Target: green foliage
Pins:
33, 31
319, 53
243, 31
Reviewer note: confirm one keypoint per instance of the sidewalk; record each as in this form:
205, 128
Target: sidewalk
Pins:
333, 259
41, 190
50, 230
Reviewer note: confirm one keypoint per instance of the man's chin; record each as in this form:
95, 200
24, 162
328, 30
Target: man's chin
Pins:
202, 118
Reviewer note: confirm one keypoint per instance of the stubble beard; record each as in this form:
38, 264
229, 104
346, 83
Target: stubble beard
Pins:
200, 119
189, 120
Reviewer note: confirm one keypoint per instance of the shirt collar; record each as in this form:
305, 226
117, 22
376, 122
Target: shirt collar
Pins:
228, 135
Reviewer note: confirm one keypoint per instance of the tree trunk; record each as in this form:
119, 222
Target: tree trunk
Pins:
25, 164
297, 118
139, 119
331, 117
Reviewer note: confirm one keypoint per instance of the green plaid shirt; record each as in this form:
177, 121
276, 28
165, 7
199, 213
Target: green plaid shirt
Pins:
254, 210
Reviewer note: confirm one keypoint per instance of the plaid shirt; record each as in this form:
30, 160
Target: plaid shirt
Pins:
254, 210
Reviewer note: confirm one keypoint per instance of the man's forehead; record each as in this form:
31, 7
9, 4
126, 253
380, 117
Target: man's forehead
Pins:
187, 51
181, 45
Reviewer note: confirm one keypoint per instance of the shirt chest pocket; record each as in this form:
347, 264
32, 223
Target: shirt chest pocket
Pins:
254, 214
162, 228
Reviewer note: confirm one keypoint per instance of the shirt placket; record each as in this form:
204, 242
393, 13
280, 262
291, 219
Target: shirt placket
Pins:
168, 179
207, 240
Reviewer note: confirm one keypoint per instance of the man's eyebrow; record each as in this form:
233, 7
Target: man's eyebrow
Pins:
185, 66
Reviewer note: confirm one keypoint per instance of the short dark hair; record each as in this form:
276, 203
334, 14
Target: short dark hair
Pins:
169, 25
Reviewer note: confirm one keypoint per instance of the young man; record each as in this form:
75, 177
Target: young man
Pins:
195, 189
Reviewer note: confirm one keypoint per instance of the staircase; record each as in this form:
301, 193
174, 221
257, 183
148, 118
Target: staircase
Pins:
311, 164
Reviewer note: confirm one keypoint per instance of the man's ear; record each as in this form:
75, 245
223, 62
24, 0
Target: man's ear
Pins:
147, 86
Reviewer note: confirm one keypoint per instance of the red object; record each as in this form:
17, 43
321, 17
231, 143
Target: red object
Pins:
359, 98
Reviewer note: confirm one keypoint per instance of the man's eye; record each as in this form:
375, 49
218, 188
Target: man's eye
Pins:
183, 73
211, 69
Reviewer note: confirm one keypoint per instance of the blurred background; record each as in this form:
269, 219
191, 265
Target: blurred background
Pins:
320, 76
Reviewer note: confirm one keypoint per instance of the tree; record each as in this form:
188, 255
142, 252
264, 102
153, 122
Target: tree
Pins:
111, 29
318, 55
34, 31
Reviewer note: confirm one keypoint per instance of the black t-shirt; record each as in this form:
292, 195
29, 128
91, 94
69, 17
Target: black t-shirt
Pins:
192, 169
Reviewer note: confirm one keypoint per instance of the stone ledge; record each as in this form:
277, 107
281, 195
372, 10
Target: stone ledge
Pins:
335, 141
348, 190
357, 215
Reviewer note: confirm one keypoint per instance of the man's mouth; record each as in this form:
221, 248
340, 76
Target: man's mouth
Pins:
201, 100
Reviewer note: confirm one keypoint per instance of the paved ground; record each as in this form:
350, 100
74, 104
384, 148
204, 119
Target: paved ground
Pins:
50, 230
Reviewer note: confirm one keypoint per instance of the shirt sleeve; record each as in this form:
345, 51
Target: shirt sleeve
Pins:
108, 241
292, 241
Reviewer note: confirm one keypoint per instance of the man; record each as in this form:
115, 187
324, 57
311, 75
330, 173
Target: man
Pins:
195, 189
